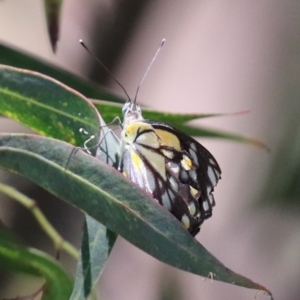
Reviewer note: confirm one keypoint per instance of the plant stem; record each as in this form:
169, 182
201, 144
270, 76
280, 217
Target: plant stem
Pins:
58, 240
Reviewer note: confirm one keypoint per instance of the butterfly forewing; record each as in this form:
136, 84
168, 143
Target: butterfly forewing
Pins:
197, 167
178, 172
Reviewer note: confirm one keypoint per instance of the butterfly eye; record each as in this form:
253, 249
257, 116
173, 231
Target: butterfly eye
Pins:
138, 108
126, 108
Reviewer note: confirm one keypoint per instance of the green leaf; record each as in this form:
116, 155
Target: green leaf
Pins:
12, 57
53, 10
51, 109
30, 204
111, 199
110, 110
30, 261
96, 246
46, 106
214, 133
52, 96
97, 240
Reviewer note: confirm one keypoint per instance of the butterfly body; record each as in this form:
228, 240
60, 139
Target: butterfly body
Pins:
174, 168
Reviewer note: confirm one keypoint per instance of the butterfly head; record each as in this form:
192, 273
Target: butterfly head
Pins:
131, 112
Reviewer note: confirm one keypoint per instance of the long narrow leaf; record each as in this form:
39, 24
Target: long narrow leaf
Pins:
16, 258
109, 198
97, 240
110, 110
53, 109
19, 59
53, 10
96, 246
46, 106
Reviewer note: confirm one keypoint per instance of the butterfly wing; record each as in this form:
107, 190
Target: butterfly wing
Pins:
171, 166
143, 161
194, 165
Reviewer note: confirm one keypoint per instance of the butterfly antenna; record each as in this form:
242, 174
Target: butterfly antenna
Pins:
149, 67
104, 67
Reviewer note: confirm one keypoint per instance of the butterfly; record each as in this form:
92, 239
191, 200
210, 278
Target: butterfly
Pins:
173, 167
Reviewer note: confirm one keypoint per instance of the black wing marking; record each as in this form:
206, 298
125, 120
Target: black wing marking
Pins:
205, 172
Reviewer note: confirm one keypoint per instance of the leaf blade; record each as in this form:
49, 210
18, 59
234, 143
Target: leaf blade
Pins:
46, 105
110, 110
134, 213
95, 249
30, 261
53, 11
19, 59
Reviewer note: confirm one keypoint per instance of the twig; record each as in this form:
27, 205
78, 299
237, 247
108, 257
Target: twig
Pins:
58, 240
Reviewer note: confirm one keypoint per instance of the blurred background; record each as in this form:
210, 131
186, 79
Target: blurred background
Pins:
220, 57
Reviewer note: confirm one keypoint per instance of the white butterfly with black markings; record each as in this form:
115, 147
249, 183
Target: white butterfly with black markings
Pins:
173, 167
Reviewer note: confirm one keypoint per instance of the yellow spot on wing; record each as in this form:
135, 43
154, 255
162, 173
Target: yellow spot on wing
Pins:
185, 221
136, 160
168, 139
132, 128
186, 163
195, 192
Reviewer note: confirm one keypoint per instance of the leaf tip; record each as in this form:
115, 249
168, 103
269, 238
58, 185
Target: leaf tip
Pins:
264, 290
259, 144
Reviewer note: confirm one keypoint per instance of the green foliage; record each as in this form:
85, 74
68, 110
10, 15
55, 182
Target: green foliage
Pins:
15, 58
58, 111
109, 110
58, 284
96, 246
113, 202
